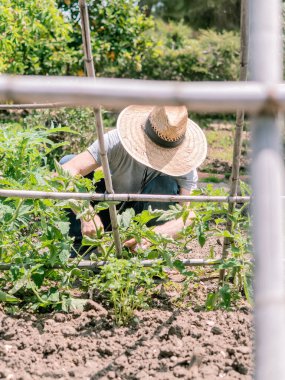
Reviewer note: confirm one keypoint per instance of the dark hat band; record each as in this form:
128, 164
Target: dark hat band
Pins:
150, 132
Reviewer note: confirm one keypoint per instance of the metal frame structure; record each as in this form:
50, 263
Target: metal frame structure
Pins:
267, 171
264, 98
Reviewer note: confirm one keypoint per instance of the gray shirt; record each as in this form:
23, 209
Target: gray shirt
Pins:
129, 174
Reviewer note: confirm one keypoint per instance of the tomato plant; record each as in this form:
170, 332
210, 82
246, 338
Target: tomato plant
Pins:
35, 241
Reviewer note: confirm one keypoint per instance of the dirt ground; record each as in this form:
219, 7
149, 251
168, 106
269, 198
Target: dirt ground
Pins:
165, 341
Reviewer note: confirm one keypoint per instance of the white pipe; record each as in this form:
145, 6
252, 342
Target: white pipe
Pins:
268, 183
197, 96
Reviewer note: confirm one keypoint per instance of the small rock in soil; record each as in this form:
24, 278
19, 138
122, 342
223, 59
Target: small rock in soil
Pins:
230, 351
239, 367
180, 372
69, 331
243, 350
166, 352
142, 375
59, 317
216, 330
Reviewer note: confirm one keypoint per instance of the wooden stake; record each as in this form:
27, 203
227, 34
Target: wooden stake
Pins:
238, 131
99, 123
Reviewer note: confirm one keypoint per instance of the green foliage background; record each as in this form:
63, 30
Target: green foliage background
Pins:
45, 38
217, 14
34, 38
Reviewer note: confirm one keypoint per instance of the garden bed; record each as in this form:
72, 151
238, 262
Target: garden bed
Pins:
175, 338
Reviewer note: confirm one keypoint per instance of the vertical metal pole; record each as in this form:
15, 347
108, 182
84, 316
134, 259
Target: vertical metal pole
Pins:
239, 128
99, 122
267, 181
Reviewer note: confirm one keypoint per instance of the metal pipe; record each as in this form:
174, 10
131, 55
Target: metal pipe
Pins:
197, 96
99, 123
244, 23
33, 194
268, 185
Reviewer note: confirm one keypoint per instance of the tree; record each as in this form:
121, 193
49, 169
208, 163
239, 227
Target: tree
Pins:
118, 34
217, 14
34, 37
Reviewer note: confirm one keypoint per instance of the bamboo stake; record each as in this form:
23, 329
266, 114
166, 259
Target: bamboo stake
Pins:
34, 106
253, 97
268, 186
238, 131
33, 194
87, 264
99, 123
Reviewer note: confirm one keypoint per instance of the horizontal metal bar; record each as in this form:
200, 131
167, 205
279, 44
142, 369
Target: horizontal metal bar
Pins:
253, 97
87, 264
30, 194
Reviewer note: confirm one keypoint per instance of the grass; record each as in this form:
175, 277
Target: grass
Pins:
213, 179
220, 145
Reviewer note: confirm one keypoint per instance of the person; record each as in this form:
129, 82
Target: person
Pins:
153, 150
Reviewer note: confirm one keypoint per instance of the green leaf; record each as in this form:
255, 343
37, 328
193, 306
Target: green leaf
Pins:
71, 304
64, 256
146, 216
230, 263
125, 218
153, 254
211, 253
211, 301
53, 295
227, 234
220, 220
179, 265
248, 288
19, 284
225, 293
63, 227
38, 277
61, 171
98, 175
5, 297
89, 241
62, 129
202, 239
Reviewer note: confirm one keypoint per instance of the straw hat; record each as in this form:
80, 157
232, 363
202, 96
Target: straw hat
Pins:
162, 138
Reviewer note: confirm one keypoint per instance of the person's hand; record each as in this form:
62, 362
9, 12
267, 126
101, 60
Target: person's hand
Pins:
90, 227
133, 245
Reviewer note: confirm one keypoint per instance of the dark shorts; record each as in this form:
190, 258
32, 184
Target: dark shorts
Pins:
161, 184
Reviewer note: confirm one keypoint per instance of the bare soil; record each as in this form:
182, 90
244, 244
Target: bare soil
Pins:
167, 341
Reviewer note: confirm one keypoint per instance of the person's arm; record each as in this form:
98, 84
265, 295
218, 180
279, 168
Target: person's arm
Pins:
170, 228
83, 164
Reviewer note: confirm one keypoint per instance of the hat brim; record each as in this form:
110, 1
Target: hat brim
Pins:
172, 161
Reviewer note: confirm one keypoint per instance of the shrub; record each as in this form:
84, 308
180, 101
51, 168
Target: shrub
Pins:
118, 37
34, 37
181, 56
